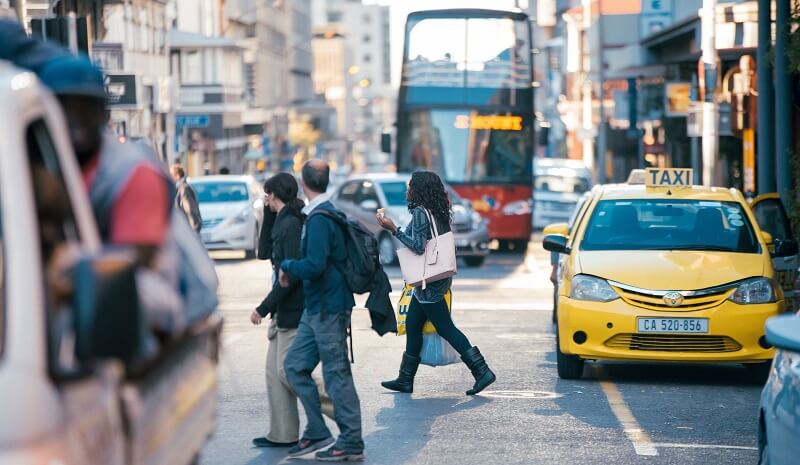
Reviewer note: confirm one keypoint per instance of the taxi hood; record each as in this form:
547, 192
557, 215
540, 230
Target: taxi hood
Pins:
671, 270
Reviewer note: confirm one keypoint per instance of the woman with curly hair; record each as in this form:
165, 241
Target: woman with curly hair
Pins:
426, 195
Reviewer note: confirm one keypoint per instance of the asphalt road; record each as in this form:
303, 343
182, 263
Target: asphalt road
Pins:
618, 414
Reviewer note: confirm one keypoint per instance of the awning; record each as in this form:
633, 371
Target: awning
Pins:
689, 25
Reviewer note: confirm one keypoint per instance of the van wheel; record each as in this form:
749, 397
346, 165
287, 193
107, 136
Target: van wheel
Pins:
475, 262
569, 366
758, 372
555, 305
386, 250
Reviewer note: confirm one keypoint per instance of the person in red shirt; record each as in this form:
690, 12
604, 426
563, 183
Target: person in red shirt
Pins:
129, 190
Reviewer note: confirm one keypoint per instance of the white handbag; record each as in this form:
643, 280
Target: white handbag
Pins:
437, 263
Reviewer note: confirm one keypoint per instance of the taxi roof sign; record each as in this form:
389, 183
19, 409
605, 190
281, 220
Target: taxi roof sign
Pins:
668, 177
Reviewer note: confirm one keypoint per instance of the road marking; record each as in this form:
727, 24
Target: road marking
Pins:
522, 394
228, 340
638, 436
701, 446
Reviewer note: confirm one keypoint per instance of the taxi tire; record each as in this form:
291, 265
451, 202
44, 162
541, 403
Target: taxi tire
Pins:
758, 372
569, 366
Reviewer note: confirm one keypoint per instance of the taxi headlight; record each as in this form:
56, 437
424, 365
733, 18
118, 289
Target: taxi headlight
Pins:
754, 291
585, 287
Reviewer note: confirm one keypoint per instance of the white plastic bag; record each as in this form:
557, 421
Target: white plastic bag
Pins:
436, 351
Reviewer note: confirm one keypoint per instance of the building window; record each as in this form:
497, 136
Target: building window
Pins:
334, 16
366, 19
366, 39
367, 58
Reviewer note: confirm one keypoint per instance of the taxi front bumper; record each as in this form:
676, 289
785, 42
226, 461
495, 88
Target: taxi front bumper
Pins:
609, 332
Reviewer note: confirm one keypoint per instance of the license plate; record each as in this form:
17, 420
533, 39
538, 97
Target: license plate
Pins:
672, 325
462, 243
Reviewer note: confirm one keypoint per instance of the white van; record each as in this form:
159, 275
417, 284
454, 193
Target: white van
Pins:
557, 186
70, 391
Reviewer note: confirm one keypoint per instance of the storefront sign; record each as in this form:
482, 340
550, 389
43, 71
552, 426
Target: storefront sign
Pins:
656, 15
749, 152
122, 90
677, 96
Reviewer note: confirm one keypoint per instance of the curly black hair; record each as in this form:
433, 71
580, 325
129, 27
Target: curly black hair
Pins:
426, 190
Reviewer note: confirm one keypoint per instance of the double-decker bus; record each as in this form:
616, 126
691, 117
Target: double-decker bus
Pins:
465, 111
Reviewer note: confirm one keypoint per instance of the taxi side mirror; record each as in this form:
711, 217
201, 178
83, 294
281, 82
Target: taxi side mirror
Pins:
768, 239
786, 248
557, 229
556, 243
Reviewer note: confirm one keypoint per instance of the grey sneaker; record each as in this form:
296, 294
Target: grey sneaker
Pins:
307, 446
334, 454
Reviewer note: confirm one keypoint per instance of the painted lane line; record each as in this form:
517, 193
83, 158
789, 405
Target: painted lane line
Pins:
228, 340
670, 445
641, 441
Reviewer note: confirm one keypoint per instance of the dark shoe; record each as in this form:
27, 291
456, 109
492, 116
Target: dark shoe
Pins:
480, 370
334, 454
307, 446
405, 380
264, 442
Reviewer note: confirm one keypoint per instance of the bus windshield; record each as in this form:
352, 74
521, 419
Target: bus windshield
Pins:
484, 61
467, 146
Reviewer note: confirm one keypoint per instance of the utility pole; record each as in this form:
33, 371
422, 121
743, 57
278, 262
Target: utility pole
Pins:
765, 165
710, 108
695, 152
783, 101
601, 135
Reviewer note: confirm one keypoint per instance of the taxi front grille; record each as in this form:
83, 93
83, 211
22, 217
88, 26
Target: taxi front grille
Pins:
673, 343
655, 301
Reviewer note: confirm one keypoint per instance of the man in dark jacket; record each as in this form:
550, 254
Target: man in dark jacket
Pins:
186, 200
322, 334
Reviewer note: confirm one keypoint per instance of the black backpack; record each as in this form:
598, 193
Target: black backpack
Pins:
362, 262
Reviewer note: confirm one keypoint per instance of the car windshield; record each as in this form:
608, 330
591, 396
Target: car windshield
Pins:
395, 192
670, 225
561, 184
214, 192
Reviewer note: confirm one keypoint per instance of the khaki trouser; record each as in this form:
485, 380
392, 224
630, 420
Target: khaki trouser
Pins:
284, 420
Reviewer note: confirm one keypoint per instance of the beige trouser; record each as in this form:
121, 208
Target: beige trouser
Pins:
284, 420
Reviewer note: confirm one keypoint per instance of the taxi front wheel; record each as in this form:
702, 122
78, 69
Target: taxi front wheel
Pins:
569, 366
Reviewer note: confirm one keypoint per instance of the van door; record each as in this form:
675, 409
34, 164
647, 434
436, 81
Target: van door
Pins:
772, 217
93, 423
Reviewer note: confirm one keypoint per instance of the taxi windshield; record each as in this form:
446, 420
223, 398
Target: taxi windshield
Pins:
670, 225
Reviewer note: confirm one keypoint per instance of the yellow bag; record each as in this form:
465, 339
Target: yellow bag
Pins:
402, 310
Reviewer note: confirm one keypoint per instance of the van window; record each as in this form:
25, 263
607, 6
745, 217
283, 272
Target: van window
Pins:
58, 236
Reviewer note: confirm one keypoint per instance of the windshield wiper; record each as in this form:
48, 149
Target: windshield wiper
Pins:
709, 248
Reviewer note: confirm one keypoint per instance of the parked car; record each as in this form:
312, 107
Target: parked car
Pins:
779, 417
72, 390
232, 208
360, 197
557, 186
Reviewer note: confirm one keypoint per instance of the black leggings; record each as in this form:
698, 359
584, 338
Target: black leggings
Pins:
438, 314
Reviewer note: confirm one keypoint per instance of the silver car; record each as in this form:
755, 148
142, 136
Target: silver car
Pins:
361, 196
232, 208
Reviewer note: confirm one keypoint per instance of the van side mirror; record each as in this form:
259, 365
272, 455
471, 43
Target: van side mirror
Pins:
785, 248
109, 323
386, 142
556, 243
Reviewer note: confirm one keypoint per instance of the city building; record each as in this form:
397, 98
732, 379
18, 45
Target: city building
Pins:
353, 40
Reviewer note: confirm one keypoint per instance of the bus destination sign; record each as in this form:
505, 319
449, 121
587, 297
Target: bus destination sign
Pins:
489, 122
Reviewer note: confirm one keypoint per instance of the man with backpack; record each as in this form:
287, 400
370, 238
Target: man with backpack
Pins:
322, 333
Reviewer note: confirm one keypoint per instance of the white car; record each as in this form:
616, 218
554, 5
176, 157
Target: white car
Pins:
232, 208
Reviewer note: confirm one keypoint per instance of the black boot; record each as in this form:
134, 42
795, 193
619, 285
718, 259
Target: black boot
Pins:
404, 381
480, 370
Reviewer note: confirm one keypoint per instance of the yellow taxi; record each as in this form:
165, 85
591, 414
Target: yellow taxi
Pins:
660, 270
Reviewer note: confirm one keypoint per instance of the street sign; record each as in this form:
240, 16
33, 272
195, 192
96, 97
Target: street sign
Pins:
194, 121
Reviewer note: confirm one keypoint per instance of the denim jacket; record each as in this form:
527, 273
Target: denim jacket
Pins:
415, 237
